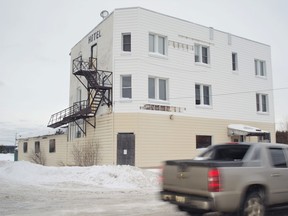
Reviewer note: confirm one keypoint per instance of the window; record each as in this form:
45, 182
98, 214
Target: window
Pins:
234, 61
278, 159
157, 88
203, 141
37, 147
126, 86
52, 145
126, 42
262, 103
25, 147
260, 68
157, 44
202, 54
202, 95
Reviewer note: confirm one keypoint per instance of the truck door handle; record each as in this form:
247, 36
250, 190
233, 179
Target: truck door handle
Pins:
275, 175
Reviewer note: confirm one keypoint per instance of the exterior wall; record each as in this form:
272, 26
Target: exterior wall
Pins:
159, 138
233, 93
103, 37
56, 158
102, 136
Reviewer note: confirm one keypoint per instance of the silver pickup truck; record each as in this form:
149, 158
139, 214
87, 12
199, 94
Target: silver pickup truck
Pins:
239, 178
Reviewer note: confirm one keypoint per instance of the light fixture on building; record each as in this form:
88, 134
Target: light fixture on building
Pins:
104, 14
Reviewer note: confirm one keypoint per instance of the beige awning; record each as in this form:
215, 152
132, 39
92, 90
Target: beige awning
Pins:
244, 130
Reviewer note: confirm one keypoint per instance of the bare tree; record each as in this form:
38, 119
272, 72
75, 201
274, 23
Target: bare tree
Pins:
86, 154
37, 157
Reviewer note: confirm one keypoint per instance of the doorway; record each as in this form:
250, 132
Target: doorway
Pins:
93, 56
126, 149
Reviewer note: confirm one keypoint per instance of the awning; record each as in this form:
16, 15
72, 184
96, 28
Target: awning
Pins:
245, 130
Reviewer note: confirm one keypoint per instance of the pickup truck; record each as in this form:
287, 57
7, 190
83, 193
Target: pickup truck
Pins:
232, 178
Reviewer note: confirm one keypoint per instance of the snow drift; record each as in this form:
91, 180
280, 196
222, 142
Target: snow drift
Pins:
121, 177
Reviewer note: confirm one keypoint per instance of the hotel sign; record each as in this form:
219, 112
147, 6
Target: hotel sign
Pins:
94, 36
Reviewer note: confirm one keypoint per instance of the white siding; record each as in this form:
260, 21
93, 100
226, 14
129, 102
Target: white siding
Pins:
233, 93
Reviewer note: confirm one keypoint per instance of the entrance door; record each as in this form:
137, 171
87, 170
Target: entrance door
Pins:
126, 149
93, 56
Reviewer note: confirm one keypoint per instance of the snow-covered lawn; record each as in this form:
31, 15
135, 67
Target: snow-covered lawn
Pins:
30, 189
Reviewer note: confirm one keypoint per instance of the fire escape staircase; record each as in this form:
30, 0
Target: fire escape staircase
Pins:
99, 87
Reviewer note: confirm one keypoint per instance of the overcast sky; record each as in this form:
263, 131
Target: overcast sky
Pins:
37, 36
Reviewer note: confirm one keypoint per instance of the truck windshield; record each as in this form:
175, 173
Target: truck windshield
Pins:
228, 152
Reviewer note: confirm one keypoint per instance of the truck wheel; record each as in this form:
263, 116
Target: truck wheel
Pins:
254, 204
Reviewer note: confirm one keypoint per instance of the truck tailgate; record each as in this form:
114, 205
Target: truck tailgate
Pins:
184, 177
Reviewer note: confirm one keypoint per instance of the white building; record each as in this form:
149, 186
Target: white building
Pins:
161, 88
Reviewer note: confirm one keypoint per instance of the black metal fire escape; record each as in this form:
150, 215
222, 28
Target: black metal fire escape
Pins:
99, 88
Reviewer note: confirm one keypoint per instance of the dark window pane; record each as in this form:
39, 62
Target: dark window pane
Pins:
197, 53
203, 141
37, 147
162, 89
126, 93
197, 95
206, 93
151, 88
127, 42
126, 81
258, 102
278, 158
264, 103
161, 45
52, 145
25, 147
234, 61
205, 55
151, 43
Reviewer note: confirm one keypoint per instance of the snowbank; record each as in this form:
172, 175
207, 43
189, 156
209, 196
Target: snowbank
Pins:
121, 177
6, 157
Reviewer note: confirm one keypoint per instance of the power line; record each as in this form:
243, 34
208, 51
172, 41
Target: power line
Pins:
217, 95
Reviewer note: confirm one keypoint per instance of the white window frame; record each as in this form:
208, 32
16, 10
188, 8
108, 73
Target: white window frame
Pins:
260, 68
262, 105
198, 55
202, 96
123, 44
154, 43
157, 89
124, 87
234, 63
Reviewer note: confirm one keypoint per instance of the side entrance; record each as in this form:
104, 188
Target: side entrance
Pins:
126, 149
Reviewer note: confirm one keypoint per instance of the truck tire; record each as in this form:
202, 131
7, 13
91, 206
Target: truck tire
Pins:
254, 204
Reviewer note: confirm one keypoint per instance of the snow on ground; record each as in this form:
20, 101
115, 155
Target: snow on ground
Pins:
30, 189
6, 157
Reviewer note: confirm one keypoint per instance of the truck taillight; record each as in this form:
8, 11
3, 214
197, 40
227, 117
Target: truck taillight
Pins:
214, 180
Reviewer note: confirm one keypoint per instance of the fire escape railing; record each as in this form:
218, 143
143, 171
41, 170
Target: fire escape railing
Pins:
99, 88
65, 116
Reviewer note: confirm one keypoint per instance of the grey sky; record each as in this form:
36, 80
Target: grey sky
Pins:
37, 35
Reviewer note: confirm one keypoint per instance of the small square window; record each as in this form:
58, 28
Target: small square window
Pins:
126, 86
234, 62
262, 103
157, 88
157, 44
260, 68
37, 147
25, 147
203, 95
202, 54
203, 141
52, 145
126, 42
